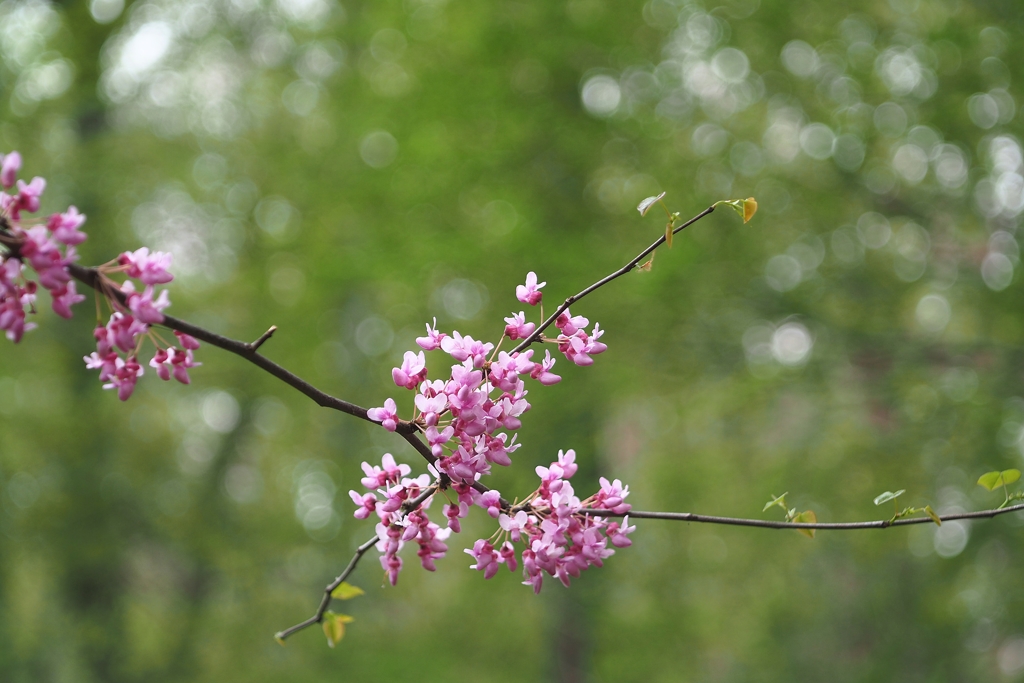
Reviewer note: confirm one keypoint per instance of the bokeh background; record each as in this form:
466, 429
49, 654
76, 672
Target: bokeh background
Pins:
347, 170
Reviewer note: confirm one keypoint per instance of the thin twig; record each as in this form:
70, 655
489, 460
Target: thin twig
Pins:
360, 551
326, 600
603, 281
263, 337
770, 524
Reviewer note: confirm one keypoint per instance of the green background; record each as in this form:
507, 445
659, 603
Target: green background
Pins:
348, 171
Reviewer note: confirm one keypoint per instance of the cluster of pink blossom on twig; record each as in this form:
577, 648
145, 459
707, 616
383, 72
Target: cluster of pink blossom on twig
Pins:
466, 420
48, 248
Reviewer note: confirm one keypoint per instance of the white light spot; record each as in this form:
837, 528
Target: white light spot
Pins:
731, 65
817, 141
1011, 656
933, 313
951, 538
378, 149
147, 47
874, 230
997, 271
783, 272
601, 95
800, 58
911, 162
791, 344
220, 411
105, 11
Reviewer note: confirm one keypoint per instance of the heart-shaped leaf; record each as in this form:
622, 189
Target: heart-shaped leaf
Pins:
645, 206
776, 500
345, 590
887, 496
334, 627
931, 513
749, 209
806, 517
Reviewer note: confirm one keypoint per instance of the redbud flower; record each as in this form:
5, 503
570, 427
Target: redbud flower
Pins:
412, 372
9, 168
433, 339
530, 292
64, 226
150, 268
387, 416
517, 327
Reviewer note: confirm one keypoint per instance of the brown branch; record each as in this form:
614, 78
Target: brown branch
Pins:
318, 616
263, 337
603, 281
92, 278
770, 524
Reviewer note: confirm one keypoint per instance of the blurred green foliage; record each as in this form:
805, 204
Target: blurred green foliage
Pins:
348, 170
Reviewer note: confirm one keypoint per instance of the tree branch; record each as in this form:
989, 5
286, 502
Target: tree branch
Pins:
360, 551
92, 278
770, 524
603, 281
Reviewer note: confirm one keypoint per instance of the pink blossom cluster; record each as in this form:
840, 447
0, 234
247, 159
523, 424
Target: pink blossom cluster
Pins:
45, 247
467, 420
48, 248
395, 488
558, 537
119, 342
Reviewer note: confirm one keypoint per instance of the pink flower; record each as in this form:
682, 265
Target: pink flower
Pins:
389, 473
159, 363
514, 525
530, 292
486, 558
617, 533
462, 348
125, 375
145, 309
64, 298
436, 439
9, 169
491, 501
181, 361
387, 416
433, 339
106, 363
431, 407
186, 341
542, 371
150, 268
517, 327
27, 198
412, 372
64, 226
365, 504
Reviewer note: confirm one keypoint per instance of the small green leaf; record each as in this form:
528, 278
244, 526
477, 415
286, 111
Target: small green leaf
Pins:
779, 500
736, 204
668, 234
345, 590
887, 496
991, 480
806, 517
1010, 476
931, 513
279, 639
645, 206
334, 627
